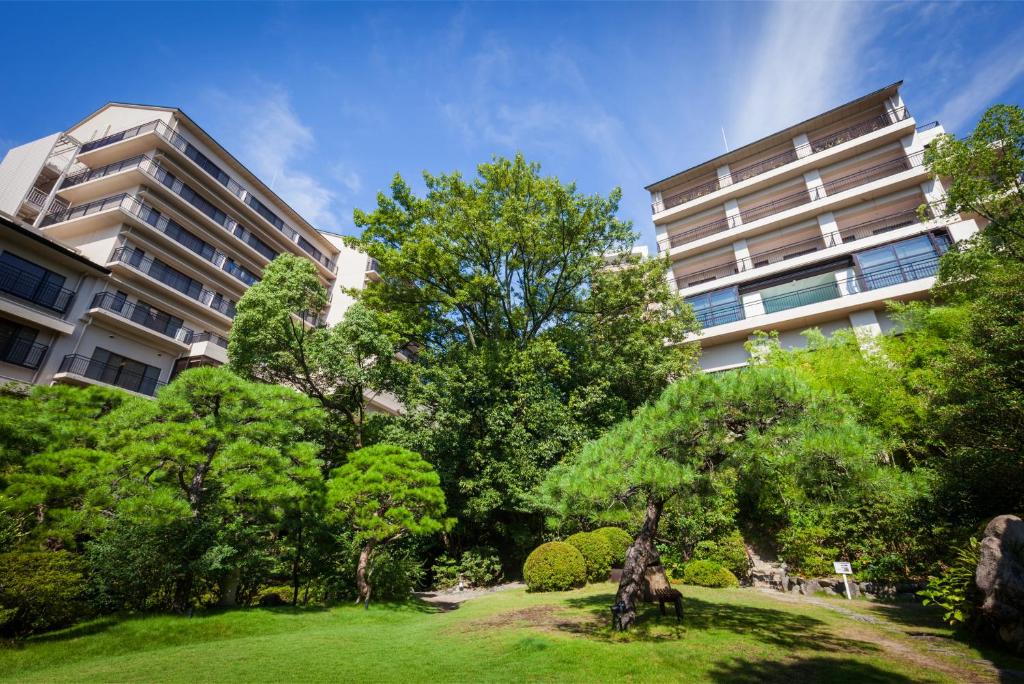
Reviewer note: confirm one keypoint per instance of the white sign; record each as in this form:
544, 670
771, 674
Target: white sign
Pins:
842, 568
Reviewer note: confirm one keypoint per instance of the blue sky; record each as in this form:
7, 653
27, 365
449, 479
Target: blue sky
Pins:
327, 101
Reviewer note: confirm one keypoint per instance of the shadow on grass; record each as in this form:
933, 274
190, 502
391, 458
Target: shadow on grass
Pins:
816, 669
776, 627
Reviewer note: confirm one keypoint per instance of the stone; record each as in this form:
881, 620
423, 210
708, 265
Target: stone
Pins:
811, 587
1000, 581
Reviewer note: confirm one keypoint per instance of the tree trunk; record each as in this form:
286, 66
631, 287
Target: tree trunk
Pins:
639, 555
296, 566
229, 588
362, 574
183, 594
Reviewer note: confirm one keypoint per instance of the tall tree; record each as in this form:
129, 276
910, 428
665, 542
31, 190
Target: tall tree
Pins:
277, 337
744, 419
386, 493
219, 459
530, 339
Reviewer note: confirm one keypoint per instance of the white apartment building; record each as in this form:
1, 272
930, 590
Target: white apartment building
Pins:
132, 235
813, 226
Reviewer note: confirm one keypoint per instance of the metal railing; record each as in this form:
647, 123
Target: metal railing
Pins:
203, 162
787, 155
37, 197
103, 171
23, 353
716, 226
33, 288
213, 338
798, 248
372, 265
109, 374
173, 279
859, 129
143, 315
910, 270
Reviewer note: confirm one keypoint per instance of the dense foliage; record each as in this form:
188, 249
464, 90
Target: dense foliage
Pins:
475, 568
530, 341
619, 541
707, 573
41, 591
554, 566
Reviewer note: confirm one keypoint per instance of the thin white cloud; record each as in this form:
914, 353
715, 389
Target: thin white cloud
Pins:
990, 76
274, 142
804, 62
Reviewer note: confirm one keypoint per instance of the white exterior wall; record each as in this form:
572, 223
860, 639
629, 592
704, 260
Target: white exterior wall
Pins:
19, 170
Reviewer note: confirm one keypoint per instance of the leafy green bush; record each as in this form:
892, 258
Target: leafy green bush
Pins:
555, 566
476, 568
704, 573
952, 590
804, 550
728, 551
40, 591
597, 554
619, 540
395, 573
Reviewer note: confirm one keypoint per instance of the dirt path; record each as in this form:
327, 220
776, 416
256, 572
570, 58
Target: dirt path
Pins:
450, 599
927, 651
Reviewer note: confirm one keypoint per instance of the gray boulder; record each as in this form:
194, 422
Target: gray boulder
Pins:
1000, 581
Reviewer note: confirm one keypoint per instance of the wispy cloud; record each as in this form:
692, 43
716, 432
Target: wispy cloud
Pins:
992, 74
805, 60
274, 142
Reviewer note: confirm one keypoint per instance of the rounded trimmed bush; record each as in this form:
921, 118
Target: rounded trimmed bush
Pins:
728, 551
555, 566
619, 540
597, 554
704, 573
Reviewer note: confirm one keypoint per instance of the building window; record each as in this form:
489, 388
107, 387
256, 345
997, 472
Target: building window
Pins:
717, 307
32, 282
901, 262
18, 345
118, 370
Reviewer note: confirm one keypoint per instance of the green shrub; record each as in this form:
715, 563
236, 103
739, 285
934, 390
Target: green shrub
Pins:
40, 591
728, 551
476, 568
619, 540
704, 573
597, 554
952, 590
395, 573
555, 566
804, 549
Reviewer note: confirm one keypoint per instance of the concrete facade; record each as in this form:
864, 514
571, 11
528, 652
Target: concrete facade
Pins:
813, 226
126, 242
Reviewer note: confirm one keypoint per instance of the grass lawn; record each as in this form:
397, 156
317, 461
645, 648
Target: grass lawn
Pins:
729, 635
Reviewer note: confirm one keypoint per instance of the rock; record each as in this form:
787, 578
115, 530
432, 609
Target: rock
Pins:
1000, 581
811, 587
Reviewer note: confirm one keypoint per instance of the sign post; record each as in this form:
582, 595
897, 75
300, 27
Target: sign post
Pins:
843, 568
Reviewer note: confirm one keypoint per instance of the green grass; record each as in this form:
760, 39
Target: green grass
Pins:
727, 636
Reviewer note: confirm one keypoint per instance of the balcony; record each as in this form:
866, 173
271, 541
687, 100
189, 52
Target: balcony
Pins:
173, 279
143, 315
798, 248
373, 269
23, 353
797, 199
213, 338
109, 374
35, 289
210, 168
788, 153
872, 279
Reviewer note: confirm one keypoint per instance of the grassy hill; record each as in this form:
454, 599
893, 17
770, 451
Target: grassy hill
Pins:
727, 636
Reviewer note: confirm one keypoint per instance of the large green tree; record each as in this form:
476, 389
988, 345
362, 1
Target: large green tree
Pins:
531, 340
219, 461
757, 420
278, 337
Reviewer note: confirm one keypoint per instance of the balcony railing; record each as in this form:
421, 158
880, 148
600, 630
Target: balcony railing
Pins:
110, 374
33, 288
213, 338
787, 155
798, 248
37, 197
905, 272
143, 315
23, 353
859, 129
803, 196
102, 172
202, 161
177, 281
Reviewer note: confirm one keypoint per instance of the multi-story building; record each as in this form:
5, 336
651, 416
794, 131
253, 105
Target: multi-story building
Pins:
816, 225
134, 234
